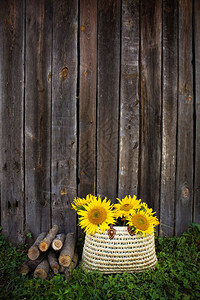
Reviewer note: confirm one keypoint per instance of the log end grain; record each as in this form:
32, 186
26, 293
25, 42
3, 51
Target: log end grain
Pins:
43, 246
24, 269
33, 253
57, 245
65, 260
42, 269
40, 273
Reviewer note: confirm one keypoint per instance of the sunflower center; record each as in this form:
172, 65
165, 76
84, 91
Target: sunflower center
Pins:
97, 215
126, 207
141, 222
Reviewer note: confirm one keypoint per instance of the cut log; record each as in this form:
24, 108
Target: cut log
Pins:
34, 252
42, 269
67, 251
34, 263
68, 270
24, 269
46, 242
29, 265
72, 265
53, 262
58, 242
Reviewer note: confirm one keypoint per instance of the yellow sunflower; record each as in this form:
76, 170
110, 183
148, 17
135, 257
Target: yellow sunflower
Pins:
124, 206
142, 222
148, 210
97, 215
80, 202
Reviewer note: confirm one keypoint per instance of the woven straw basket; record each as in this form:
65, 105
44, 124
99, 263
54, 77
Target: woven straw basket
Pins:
123, 253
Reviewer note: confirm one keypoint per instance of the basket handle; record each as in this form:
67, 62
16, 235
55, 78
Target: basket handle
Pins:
130, 231
111, 232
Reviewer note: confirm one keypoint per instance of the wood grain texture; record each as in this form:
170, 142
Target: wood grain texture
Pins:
150, 153
129, 108
64, 116
38, 114
108, 96
197, 111
130, 51
87, 97
184, 176
11, 118
169, 117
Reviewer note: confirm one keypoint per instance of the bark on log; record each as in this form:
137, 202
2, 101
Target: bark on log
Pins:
74, 261
34, 263
53, 261
34, 252
46, 242
67, 251
42, 269
58, 242
29, 265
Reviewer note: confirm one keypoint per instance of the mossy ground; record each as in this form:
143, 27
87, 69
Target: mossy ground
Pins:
177, 275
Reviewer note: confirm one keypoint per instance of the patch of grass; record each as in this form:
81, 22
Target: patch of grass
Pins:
177, 275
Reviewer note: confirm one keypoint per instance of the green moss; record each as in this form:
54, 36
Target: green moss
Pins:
177, 275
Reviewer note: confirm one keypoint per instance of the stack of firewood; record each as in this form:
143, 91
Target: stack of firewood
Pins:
51, 251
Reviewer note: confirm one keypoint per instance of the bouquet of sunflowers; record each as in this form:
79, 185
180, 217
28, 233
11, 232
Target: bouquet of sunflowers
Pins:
97, 215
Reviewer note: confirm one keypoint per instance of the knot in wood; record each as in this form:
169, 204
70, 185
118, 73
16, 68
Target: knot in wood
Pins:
185, 192
63, 191
64, 73
135, 145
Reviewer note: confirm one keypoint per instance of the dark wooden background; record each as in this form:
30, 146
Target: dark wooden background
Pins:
98, 97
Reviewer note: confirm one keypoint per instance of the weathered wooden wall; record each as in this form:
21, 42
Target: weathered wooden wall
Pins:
98, 97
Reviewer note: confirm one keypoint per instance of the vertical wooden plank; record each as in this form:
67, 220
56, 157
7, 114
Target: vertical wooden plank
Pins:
108, 96
38, 114
151, 33
197, 106
87, 97
129, 110
11, 118
64, 128
184, 178
169, 117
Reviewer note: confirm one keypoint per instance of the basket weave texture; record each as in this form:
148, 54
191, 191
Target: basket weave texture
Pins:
124, 253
